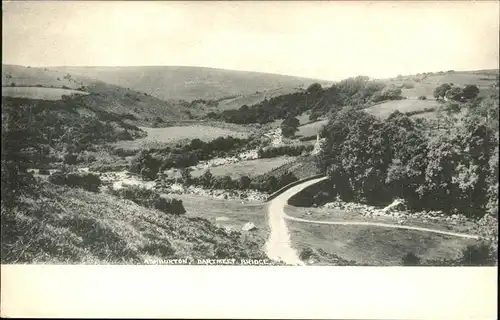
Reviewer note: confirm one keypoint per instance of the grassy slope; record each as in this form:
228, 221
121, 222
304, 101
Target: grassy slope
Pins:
232, 214
302, 167
424, 85
38, 93
75, 226
383, 110
311, 129
372, 245
188, 83
158, 137
249, 168
105, 96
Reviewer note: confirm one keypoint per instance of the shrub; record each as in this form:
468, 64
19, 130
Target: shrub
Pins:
150, 199
306, 253
87, 181
476, 255
124, 152
207, 179
410, 259
245, 182
70, 158
272, 152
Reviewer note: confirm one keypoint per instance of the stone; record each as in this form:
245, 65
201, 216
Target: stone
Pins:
249, 226
396, 205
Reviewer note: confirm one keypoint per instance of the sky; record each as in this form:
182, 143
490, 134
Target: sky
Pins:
327, 40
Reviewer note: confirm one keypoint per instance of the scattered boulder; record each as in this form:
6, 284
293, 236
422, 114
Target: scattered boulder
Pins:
249, 226
396, 205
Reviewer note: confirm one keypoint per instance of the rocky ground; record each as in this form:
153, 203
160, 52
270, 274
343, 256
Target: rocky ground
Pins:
485, 227
248, 195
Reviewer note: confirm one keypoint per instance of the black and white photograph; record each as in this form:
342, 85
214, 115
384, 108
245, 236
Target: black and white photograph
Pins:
250, 137
187, 133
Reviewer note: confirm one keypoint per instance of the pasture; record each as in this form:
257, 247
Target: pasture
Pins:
383, 110
39, 93
251, 168
311, 129
424, 85
162, 136
232, 214
370, 245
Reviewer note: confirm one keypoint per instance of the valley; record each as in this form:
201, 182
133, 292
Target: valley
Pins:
112, 169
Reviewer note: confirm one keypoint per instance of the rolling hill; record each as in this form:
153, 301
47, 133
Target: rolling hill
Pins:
38, 83
190, 83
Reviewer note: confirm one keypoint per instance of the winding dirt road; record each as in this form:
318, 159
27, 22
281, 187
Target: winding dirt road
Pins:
278, 246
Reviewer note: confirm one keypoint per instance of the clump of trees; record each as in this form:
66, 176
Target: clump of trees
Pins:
149, 162
32, 129
150, 199
456, 93
359, 92
285, 150
371, 160
289, 126
268, 184
87, 181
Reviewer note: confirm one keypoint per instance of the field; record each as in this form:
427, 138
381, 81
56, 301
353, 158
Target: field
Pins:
301, 167
230, 214
253, 98
249, 168
159, 136
424, 85
104, 96
366, 244
383, 110
311, 129
38, 93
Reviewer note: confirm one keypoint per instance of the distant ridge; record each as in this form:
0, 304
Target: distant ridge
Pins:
188, 82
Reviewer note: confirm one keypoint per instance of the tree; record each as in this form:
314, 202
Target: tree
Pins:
186, 175
207, 179
440, 91
391, 93
286, 179
454, 93
289, 126
245, 182
271, 184
226, 182
470, 92
314, 88
410, 259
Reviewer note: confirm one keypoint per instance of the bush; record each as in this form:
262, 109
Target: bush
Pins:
410, 259
150, 199
87, 181
306, 253
245, 182
477, 255
124, 152
272, 152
